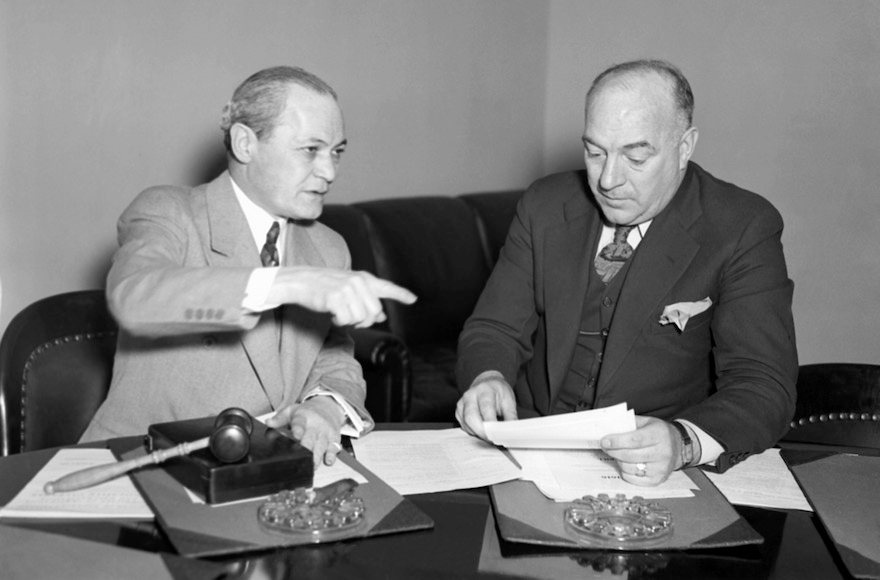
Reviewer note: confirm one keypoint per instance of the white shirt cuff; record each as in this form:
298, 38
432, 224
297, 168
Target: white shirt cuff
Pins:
710, 449
354, 426
257, 290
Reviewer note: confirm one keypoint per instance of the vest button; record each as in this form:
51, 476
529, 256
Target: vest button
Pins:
607, 301
605, 332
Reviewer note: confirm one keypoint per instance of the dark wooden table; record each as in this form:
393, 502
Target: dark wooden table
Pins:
796, 546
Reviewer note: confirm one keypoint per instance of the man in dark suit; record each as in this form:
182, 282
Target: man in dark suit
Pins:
231, 294
644, 280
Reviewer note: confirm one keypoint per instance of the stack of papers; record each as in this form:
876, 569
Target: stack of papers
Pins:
566, 475
116, 498
581, 430
762, 480
428, 461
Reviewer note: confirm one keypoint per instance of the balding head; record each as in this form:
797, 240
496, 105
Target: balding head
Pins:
628, 74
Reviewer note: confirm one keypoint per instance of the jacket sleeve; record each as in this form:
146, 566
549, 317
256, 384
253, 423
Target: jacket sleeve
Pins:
498, 334
755, 353
160, 282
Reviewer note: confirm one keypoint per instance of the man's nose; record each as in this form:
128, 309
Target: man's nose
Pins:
612, 174
325, 168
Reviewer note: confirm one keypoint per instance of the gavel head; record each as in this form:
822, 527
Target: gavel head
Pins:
230, 440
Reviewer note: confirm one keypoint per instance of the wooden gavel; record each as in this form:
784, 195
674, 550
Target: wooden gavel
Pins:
229, 442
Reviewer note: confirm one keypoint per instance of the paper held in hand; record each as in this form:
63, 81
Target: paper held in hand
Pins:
580, 430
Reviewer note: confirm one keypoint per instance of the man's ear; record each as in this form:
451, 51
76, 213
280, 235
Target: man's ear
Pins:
242, 141
686, 147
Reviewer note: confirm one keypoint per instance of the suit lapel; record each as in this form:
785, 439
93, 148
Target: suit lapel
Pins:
299, 324
568, 260
230, 234
232, 246
658, 263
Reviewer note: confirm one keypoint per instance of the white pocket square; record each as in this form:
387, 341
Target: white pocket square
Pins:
679, 313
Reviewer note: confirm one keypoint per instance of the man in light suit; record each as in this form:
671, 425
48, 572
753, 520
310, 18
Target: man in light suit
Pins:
231, 294
686, 316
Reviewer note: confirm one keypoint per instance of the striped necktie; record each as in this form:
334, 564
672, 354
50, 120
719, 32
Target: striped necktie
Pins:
269, 253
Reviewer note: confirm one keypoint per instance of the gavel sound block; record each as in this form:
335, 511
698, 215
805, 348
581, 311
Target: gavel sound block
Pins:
274, 461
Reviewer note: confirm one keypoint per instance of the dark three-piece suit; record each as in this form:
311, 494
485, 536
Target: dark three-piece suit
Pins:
731, 371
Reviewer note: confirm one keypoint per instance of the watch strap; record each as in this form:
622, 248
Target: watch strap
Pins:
687, 444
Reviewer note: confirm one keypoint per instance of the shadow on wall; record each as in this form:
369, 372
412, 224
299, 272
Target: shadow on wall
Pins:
211, 164
203, 169
96, 273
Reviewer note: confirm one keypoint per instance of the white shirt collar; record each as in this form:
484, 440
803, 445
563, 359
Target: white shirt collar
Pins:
634, 238
259, 221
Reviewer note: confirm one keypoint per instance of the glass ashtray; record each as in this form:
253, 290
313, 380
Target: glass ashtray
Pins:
617, 523
320, 514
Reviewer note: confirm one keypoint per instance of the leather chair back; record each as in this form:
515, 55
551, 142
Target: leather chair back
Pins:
494, 213
430, 245
441, 248
838, 404
56, 362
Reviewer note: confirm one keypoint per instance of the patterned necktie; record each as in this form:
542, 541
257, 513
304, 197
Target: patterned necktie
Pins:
613, 256
269, 253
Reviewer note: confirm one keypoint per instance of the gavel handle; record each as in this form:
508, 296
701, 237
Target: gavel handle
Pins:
100, 473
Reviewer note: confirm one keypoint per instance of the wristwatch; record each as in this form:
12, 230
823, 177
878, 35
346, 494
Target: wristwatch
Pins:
687, 445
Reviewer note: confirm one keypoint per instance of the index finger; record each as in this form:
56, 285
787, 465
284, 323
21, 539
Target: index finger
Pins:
386, 289
628, 440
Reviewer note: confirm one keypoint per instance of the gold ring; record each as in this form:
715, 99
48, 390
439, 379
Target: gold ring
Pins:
640, 470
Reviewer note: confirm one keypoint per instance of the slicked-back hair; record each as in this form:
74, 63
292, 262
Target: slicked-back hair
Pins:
681, 88
260, 99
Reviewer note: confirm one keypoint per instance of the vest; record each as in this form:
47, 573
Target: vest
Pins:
600, 301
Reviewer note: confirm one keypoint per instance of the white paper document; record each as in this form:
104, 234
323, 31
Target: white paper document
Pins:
116, 498
429, 461
580, 430
762, 480
567, 474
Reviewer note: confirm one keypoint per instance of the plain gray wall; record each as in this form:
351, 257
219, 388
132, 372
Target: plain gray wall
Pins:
788, 105
100, 99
